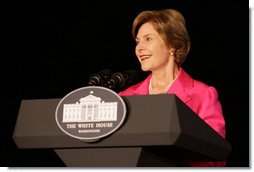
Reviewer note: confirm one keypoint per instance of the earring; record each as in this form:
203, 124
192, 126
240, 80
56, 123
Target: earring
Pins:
172, 53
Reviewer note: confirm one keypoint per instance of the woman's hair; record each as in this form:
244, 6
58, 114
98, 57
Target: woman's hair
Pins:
170, 24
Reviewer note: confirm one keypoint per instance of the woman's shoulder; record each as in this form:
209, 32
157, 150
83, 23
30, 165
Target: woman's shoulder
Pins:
139, 88
198, 87
130, 90
203, 89
189, 82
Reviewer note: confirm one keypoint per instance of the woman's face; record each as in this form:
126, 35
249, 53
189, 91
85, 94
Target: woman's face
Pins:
151, 50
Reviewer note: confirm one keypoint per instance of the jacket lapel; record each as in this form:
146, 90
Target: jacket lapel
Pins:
182, 84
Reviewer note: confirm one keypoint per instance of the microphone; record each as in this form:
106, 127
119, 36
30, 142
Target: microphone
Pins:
100, 78
123, 79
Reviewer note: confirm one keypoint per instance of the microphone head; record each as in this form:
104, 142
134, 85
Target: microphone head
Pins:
121, 80
117, 80
100, 78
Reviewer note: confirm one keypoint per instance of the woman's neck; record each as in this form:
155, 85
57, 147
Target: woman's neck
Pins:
163, 77
162, 80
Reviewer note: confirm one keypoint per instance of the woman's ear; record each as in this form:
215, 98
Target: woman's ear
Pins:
172, 51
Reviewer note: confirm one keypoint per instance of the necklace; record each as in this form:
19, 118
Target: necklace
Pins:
151, 91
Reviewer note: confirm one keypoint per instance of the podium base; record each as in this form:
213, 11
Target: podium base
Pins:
115, 157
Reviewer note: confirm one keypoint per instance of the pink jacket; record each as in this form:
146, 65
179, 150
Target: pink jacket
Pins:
201, 98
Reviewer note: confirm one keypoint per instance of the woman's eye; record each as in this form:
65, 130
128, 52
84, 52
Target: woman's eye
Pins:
148, 39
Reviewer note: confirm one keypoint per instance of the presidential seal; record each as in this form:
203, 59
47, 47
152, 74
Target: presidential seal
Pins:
90, 113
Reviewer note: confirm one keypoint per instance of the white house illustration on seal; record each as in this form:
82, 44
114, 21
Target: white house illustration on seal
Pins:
90, 109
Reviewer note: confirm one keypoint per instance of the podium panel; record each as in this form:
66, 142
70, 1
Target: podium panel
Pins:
156, 126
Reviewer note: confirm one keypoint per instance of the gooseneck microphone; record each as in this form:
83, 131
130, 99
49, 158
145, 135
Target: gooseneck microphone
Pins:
100, 78
121, 80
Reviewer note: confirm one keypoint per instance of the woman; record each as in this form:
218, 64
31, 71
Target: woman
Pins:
162, 46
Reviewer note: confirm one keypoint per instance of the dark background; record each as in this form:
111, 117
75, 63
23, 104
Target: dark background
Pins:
55, 46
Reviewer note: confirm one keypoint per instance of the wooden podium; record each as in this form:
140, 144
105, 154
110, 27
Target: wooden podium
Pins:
160, 130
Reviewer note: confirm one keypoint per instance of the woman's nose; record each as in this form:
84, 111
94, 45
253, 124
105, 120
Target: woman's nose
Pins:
139, 47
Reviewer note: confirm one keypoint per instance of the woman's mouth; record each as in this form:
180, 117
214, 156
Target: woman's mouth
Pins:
144, 57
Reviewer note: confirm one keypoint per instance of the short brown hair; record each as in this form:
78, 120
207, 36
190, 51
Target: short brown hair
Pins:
170, 24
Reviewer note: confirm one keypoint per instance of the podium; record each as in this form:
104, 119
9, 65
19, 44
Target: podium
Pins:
159, 130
